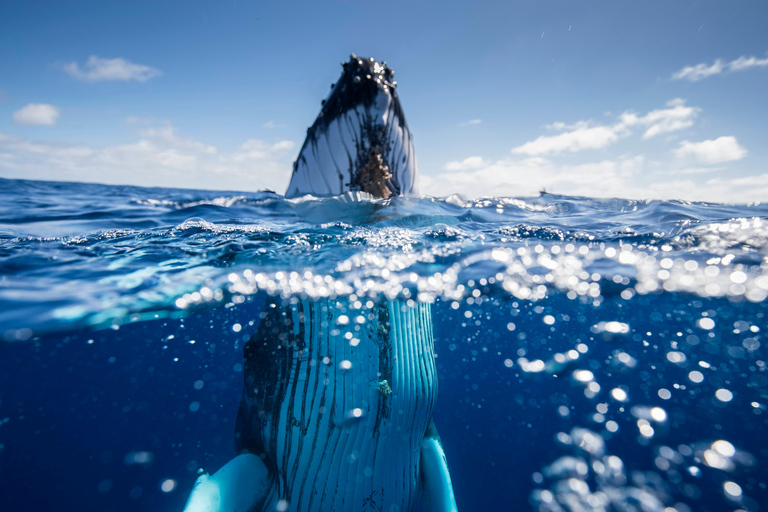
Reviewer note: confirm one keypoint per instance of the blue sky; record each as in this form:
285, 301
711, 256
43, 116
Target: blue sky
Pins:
633, 99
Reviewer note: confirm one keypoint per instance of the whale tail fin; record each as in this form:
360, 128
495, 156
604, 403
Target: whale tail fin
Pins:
236, 487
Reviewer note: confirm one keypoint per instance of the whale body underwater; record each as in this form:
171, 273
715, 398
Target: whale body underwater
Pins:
336, 411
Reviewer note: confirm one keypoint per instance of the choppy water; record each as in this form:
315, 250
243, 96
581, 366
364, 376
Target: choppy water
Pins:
592, 354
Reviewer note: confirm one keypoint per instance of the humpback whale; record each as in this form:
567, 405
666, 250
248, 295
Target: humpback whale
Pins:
338, 395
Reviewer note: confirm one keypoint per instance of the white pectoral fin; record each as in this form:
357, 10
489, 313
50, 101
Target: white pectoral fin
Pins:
236, 487
437, 489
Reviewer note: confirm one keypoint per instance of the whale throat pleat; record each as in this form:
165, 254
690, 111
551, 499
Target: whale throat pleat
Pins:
354, 396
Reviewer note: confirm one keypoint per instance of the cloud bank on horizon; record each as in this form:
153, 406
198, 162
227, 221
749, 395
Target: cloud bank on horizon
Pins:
161, 157
629, 175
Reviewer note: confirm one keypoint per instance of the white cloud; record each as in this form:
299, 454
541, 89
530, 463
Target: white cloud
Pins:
97, 69
701, 71
719, 150
160, 157
271, 125
631, 177
677, 116
527, 176
471, 122
744, 63
473, 162
581, 135
37, 114
579, 139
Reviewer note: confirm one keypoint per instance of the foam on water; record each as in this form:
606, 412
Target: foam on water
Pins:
153, 252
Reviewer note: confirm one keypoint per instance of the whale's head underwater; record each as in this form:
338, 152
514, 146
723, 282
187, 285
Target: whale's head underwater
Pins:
360, 141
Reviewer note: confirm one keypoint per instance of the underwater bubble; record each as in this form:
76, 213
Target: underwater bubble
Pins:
732, 490
237, 327
751, 344
619, 394
345, 365
658, 414
199, 384
611, 426
612, 327
724, 448
588, 441
738, 277
567, 466
645, 428
724, 395
583, 375
664, 394
696, 376
168, 485
717, 461
142, 457
194, 406
508, 363
549, 320
706, 323
676, 357
626, 359
281, 506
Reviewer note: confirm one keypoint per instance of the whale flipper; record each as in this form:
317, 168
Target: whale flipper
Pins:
437, 490
236, 487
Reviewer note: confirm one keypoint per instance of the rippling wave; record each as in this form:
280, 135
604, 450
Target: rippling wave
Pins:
76, 254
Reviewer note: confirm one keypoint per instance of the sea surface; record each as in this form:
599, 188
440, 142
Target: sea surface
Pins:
592, 354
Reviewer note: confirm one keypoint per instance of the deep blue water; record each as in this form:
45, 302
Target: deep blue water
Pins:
592, 354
